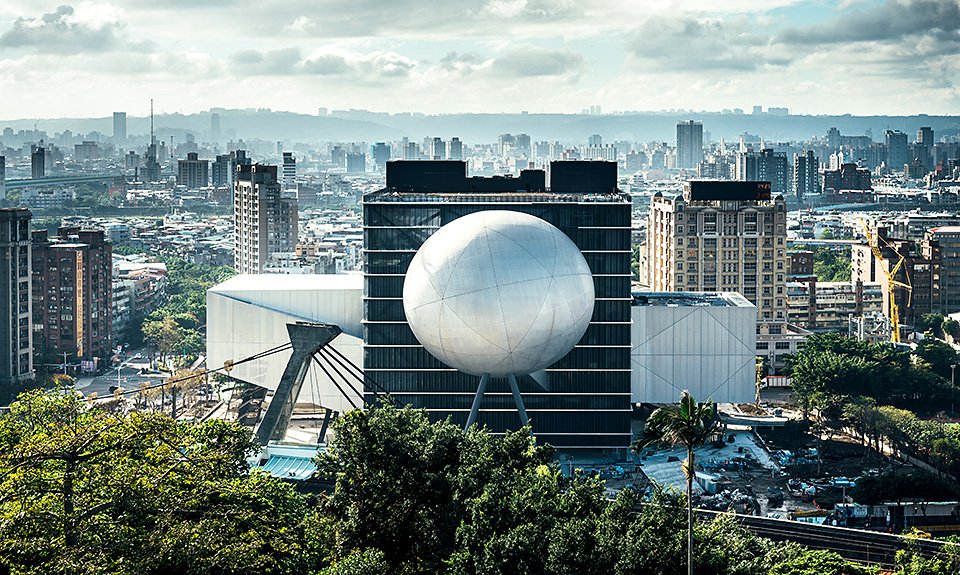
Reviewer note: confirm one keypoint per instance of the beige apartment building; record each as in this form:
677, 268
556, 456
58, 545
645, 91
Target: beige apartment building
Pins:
722, 236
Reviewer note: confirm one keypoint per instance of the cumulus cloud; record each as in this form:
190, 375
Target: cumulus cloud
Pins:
88, 27
534, 62
686, 43
327, 61
462, 63
913, 40
270, 62
361, 66
890, 22
516, 62
411, 18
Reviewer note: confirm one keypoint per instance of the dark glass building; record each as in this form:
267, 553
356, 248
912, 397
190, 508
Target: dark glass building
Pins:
583, 400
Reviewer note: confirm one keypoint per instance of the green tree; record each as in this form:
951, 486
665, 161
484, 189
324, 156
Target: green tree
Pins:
932, 322
689, 425
165, 335
83, 490
937, 354
367, 562
831, 366
819, 563
946, 561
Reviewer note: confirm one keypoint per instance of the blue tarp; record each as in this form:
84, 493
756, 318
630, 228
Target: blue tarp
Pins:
286, 467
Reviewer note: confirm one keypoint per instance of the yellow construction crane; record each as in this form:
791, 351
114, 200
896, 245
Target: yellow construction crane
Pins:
891, 281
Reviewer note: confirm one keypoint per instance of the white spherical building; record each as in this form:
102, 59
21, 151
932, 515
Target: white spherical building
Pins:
498, 292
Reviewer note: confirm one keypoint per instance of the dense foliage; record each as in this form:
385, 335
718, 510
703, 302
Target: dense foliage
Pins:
940, 326
832, 367
830, 264
175, 327
869, 390
87, 491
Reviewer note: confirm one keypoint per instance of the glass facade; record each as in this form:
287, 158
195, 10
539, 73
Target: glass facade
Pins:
584, 399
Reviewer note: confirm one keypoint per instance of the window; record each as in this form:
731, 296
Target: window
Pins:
782, 345
763, 345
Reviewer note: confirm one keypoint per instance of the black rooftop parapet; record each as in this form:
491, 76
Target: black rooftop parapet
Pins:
712, 190
427, 176
590, 177
450, 176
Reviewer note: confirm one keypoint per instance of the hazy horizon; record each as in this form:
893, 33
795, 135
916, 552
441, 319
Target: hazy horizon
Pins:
819, 57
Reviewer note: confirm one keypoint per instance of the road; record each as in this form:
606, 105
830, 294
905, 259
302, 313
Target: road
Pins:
130, 377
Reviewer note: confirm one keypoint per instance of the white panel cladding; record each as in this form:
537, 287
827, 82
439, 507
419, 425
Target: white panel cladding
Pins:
245, 317
707, 350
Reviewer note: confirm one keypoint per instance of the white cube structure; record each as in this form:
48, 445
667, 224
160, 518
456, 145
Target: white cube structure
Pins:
702, 342
249, 313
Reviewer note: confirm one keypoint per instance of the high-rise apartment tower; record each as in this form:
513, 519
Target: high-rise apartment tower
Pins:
689, 144
264, 221
16, 334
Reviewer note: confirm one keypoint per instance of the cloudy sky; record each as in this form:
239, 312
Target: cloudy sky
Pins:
89, 58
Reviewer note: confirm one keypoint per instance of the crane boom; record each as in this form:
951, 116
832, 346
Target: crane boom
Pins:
891, 281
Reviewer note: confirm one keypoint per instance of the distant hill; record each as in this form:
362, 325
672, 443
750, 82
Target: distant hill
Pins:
472, 128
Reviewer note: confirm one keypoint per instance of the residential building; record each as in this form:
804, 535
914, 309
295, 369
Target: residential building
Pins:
717, 167
849, 176
38, 162
265, 221
86, 151
800, 265
764, 166
356, 163
289, 172
3, 177
215, 127
581, 402
948, 238
119, 128
806, 175
72, 293
689, 144
381, 155
897, 152
438, 149
193, 172
910, 263
726, 237
721, 236
455, 149
16, 337
914, 226
222, 172
830, 306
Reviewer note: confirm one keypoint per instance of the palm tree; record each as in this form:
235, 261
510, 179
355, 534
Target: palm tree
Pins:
689, 424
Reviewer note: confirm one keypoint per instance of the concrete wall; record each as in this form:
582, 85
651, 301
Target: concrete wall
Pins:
709, 351
249, 314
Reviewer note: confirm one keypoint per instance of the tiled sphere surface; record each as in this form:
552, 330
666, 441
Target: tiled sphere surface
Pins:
498, 292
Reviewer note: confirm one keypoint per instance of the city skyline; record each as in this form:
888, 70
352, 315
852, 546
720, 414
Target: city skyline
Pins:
482, 56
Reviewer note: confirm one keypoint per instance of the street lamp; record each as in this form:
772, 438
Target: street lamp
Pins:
123, 363
953, 368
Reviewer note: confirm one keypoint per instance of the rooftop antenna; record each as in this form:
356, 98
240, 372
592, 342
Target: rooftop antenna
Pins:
152, 140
